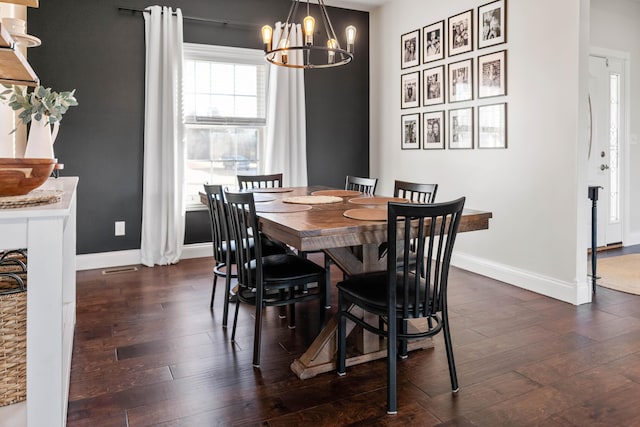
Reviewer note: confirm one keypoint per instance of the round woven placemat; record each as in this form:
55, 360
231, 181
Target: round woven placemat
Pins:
377, 200
34, 198
312, 200
270, 190
281, 208
337, 193
365, 214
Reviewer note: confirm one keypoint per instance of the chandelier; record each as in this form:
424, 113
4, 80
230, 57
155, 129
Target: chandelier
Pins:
285, 53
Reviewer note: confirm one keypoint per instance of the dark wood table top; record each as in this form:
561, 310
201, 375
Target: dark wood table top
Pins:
324, 226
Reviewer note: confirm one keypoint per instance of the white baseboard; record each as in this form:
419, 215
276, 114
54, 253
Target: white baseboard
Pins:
633, 239
573, 293
133, 257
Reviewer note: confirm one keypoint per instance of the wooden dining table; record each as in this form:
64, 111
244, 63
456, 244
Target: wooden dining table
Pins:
351, 243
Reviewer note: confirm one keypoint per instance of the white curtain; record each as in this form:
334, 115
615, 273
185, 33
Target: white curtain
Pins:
163, 212
286, 145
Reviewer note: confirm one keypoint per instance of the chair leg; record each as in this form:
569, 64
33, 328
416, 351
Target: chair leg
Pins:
392, 342
322, 317
227, 293
449, 347
282, 309
292, 309
235, 322
213, 289
257, 337
342, 337
402, 346
327, 281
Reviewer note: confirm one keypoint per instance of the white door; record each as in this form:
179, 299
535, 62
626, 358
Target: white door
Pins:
606, 93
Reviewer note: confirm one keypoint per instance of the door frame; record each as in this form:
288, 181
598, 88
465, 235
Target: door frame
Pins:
625, 178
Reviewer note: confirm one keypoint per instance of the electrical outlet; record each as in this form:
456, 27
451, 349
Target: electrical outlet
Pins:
119, 228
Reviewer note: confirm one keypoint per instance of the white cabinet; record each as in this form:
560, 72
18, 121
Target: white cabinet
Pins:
49, 234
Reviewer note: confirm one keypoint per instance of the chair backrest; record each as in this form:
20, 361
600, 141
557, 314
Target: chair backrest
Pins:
218, 220
259, 181
243, 225
419, 193
365, 185
432, 228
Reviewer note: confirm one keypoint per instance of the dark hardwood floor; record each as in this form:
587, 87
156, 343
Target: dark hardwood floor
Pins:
625, 250
148, 351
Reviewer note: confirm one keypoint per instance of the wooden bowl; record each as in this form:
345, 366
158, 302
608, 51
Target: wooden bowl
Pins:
20, 176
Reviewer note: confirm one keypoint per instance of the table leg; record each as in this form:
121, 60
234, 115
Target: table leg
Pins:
351, 264
320, 357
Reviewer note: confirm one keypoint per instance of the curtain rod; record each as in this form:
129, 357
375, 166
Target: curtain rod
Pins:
197, 19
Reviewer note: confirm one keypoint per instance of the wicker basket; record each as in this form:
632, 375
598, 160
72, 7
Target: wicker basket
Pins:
14, 261
13, 339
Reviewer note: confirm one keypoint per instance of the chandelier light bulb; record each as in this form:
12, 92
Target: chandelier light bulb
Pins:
308, 24
332, 44
351, 38
267, 34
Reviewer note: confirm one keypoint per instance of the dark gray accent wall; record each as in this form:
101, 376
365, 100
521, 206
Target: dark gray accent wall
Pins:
93, 47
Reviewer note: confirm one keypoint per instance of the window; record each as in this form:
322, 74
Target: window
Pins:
614, 143
224, 114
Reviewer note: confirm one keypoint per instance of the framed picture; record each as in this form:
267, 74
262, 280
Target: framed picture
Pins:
410, 90
492, 74
461, 128
433, 86
433, 42
460, 39
410, 49
461, 81
433, 125
411, 131
492, 126
492, 24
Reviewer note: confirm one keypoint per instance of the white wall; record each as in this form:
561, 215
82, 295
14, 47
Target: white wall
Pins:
614, 26
537, 186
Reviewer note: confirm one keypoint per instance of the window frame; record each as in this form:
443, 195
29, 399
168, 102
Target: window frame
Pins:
233, 55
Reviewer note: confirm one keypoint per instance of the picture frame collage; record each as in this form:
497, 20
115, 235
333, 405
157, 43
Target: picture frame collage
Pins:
448, 91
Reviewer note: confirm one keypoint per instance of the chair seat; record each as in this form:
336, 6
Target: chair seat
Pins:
369, 290
283, 270
269, 247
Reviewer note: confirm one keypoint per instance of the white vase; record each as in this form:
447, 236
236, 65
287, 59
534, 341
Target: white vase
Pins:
41, 139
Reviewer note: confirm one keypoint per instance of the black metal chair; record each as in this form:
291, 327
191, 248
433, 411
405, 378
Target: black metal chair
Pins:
271, 280
260, 181
364, 185
224, 251
418, 193
399, 293
224, 248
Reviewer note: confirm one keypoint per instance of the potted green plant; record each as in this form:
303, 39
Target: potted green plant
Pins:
40, 102
41, 107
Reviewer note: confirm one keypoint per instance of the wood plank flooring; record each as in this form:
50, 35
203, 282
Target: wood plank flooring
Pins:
149, 352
